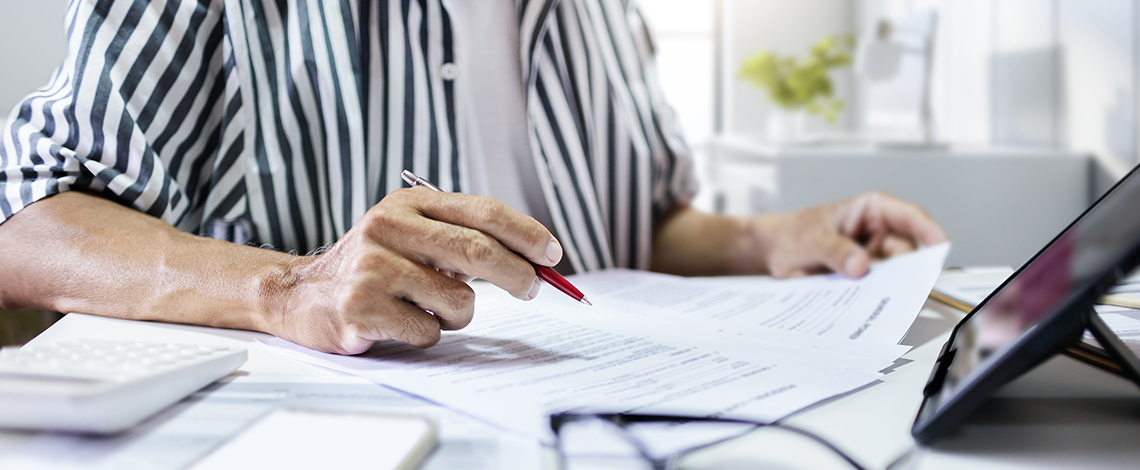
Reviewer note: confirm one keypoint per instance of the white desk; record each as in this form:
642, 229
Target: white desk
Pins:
1062, 415
178, 436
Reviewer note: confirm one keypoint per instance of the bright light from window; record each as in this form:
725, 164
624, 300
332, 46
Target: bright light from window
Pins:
683, 31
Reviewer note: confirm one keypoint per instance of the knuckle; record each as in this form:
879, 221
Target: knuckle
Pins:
399, 196
392, 207
485, 208
478, 250
461, 299
379, 222
379, 214
428, 341
419, 331
462, 321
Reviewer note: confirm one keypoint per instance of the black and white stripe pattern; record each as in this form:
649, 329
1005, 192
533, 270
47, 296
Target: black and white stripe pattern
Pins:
281, 123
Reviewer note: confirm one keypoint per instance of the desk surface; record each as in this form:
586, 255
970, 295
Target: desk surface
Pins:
1061, 415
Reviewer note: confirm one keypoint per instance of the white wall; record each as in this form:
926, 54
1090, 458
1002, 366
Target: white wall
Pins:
961, 94
33, 45
1037, 73
1097, 41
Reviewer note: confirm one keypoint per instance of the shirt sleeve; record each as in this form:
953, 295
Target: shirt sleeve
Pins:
133, 114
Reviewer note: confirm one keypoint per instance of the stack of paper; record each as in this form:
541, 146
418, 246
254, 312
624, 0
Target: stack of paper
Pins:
746, 348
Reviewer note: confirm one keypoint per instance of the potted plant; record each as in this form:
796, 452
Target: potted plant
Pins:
799, 87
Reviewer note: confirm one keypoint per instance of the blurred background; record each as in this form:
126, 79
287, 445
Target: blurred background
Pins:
1003, 118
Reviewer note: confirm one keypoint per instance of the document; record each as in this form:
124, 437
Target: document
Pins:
1126, 293
745, 348
1126, 327
967, 288
1123, 322
517, 363
863, 318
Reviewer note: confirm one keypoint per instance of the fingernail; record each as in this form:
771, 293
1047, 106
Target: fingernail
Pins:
553, 253
533, 291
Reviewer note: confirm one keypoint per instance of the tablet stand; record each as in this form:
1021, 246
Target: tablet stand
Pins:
1118, 352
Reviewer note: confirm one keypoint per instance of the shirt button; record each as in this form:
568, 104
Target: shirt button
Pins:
448, 71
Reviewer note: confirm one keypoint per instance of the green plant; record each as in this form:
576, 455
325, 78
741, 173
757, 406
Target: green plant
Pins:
802, 84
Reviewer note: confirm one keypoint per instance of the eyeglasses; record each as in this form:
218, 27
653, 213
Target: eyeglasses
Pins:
608, 440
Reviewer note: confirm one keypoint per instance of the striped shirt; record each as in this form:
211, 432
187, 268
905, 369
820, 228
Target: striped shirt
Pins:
280, 123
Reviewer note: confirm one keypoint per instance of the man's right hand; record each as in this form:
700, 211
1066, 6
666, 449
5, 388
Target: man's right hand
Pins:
408, 255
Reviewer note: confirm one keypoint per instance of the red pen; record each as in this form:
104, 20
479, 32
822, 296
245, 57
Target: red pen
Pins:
545, 273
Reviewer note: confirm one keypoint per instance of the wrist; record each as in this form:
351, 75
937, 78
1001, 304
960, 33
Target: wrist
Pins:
751, 251
275, 286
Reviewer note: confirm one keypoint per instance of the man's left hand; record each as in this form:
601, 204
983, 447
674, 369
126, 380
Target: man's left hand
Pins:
842, 237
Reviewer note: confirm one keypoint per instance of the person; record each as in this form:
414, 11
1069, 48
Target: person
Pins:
235, 163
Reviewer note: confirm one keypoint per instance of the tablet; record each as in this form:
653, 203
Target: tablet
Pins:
1041, 309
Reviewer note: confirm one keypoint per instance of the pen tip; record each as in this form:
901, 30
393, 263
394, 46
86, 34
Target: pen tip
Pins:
587, 302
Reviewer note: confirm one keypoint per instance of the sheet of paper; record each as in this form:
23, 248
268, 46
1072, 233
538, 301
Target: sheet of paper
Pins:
519, 361
1126, 327
1123, 321
971, 286
1129, 286
856, 318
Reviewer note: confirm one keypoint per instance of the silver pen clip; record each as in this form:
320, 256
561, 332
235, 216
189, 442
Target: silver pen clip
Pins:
414, 181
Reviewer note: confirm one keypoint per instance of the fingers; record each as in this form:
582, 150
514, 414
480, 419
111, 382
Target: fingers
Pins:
474, 253
842, 255
378, 280
519, 233
402, 322
875, 214
375, 305
452, 301
410, 254
466, 236
892, 245
908, 219
405, 322
802, 249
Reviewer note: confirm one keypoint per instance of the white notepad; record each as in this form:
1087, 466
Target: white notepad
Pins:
306, 439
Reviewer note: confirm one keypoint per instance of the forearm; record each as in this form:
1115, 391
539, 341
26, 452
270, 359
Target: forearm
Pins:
690, 242
75, 252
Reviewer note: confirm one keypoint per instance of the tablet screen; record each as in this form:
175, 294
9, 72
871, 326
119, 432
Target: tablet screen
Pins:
1068, 268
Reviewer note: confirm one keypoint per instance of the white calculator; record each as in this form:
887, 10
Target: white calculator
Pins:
102, 386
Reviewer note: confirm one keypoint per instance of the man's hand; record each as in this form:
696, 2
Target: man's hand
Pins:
410, 254
842, 237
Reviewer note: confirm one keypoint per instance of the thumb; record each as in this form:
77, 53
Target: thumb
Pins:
844, 256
